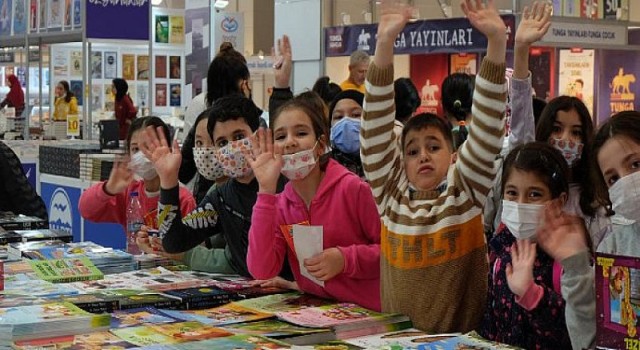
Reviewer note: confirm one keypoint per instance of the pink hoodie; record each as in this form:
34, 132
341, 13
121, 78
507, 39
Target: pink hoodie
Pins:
97, 206
344, 206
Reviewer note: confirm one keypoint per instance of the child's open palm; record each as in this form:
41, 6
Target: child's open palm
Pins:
394, 15
562, 235
120, 178
165, 160
265, 161
484, 18
534, 23
284, 62
520, 271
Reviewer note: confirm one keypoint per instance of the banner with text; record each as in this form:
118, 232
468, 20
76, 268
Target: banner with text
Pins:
432, 36
132, 14
617, 88
579, 33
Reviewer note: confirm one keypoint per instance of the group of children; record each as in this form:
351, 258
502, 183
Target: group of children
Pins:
411, 238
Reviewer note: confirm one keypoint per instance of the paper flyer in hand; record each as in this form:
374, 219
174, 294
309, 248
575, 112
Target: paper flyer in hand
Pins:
307, 241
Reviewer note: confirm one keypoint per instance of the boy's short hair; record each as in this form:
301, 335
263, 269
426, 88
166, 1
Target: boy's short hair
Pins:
428, 120
233, 107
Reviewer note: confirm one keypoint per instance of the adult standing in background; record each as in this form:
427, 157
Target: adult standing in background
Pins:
15, 97
358, 66
66, 103
125, 111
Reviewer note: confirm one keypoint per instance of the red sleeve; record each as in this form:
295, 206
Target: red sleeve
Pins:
187, 202
130, 109
265, 236
97, 206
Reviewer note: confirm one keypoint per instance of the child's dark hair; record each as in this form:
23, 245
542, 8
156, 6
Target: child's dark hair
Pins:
225, 72
233, 107
541, 159
457, 99
583, 173
141, 123
428, 120
406, 98
317, 103
625, 124
316, 116
538, 106
326, 89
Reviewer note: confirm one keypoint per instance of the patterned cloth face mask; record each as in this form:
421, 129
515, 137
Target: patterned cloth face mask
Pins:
571, 150
206, 159
232, 159
298, 165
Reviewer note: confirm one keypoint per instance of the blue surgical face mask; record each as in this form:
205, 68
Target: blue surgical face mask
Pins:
345, 135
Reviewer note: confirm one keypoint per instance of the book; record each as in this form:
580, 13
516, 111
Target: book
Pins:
44, 234
10, 221
95, 340
37, 288
236, 342
94, 303
222, 315
201, 298
169, 333
51, 320
465, 341
66, 270
408, 338
140, 316
283, 302
15, 250
617, 301
287, 332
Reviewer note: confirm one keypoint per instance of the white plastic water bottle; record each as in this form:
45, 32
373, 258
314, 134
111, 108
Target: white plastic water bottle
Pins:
135, 219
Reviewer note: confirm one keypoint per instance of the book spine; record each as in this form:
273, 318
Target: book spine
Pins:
204, 304
58, 279
30, 225
162, 304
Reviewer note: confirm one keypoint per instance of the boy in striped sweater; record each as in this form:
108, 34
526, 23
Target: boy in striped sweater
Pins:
433, 250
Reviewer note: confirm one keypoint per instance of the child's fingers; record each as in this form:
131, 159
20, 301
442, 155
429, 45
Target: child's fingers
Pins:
509, 271
514, 252
269, 141
176, 147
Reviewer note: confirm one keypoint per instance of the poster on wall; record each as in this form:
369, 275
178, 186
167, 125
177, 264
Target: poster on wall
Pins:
19, 17
142, 66
96, 65
5, 17
76, 63
196, 53
110, 65
161, 67
60, 63
174, 67
128, 67
617, 88
576, 75
463, 63
68, 8
76, 88
228, 26
77, 15
43, 11
142, 95
161, 95
162, 29
96, 97
109, 98
176, 30
33, 16
427, 73
56, 14
176, 94
541, 65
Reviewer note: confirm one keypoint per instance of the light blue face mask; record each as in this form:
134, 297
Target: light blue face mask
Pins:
345, 135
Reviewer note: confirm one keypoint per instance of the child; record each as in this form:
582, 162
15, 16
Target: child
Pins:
108, 201
227, 208
525, 307
433, 252
320, 192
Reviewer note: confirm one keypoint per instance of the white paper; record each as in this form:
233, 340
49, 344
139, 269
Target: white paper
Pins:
307, 241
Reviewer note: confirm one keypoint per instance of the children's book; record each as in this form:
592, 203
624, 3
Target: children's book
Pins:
405, 339
235, 342
38, 288
618, 301
156, 300
287, 332
283, 302
139, 316
66, 270
169, 333
142, 336
20, 300
201, 298
337, 344
466, 341
15, 249
89, 341
94, 303
334, 315
222, 315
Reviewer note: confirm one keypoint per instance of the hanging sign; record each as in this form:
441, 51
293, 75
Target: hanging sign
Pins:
428, 36
132, 14
579, 33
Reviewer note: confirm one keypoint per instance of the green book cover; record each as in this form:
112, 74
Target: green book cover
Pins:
66, 270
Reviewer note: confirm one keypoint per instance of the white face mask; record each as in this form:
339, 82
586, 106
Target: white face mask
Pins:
571, 150
521, 219
207, 163
298, 165
625, 196
142, 166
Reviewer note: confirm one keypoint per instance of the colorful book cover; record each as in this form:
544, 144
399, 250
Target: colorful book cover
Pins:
408, 338
176, 30
174, 67
39, 288
236, 342
128, 67
331, 315
138, 317
96, 97
77, 14
189, 331
56, 14
283, 302
143, 336
161, 95
466, 341
96, 64
76, 87
19, 17
618, 301
162, 29
20, 300
161, 67
272, 328
142, 67
222, 315
33, 16
463, 63
66, 270
96, 340
5, 17
175, 95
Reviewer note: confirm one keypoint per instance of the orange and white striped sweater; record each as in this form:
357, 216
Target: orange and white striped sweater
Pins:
433, 249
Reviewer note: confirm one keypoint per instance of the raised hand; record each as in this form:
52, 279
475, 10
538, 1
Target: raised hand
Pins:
265, 161
166, 160
119, 179
283, 63
520, 271
484, 18
326, 265
562, 235
394, 15
534, 24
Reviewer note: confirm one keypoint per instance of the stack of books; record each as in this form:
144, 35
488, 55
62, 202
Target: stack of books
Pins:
57, 130
10, 221
66, 270
96, 166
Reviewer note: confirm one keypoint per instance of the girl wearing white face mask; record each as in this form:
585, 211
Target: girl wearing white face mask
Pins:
107, 201
320, 192
533, 175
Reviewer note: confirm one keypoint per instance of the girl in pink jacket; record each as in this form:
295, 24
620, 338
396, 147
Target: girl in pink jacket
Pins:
320, 192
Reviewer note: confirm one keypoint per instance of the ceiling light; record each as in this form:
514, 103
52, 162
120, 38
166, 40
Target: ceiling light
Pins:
156, 2
220, 4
